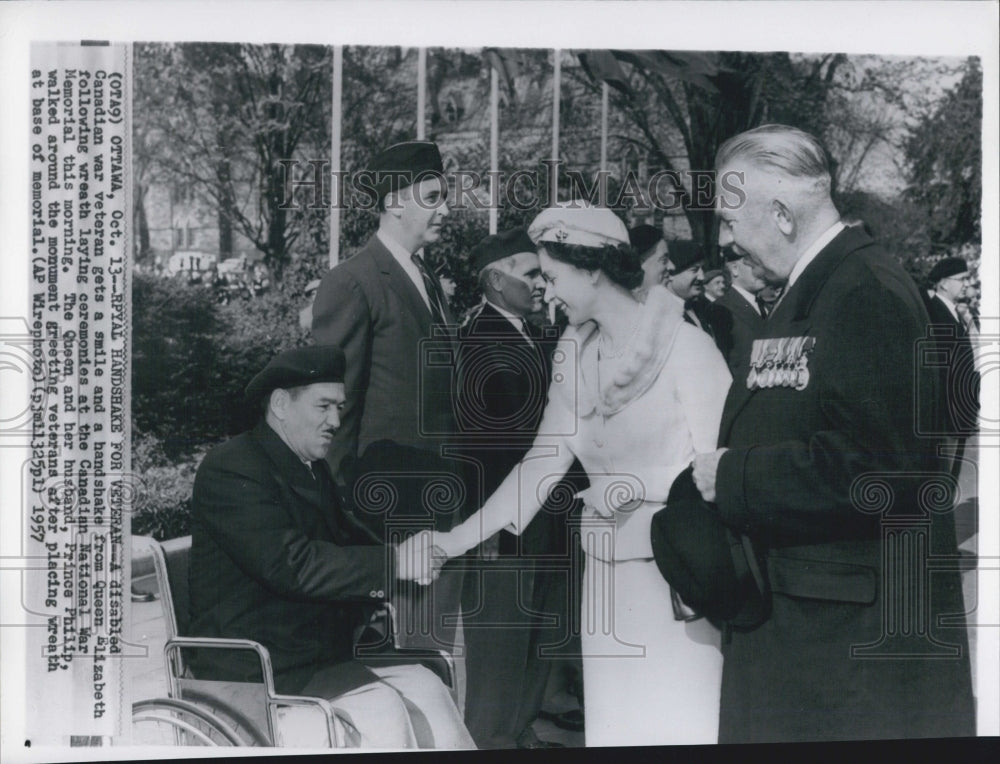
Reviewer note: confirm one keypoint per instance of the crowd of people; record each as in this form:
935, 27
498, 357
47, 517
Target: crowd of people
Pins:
524, 477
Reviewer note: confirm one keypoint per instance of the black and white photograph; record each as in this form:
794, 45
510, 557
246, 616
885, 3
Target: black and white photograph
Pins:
486, 376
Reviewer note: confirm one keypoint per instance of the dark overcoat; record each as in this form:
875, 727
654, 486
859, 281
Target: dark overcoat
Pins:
848, 504
274, 559
959, 376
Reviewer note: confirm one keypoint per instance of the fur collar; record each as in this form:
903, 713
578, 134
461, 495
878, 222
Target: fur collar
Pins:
576, 381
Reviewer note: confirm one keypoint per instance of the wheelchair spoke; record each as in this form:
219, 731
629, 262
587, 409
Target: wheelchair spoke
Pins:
167, 721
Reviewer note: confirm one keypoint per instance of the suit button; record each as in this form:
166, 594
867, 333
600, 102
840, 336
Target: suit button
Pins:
373, 593
381, 594
598, 442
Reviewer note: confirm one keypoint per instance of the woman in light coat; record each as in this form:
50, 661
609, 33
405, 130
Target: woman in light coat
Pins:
636, 392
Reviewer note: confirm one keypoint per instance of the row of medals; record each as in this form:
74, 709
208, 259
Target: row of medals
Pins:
780, 362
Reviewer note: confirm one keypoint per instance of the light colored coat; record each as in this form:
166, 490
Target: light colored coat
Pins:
633, 432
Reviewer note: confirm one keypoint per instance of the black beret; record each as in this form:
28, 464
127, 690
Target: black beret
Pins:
949, 266
704, 562
500, 245
296, 367
643, 238
683, 253
404, 164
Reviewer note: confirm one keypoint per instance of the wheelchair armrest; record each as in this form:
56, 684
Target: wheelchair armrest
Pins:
332, 714
174, 646
274, 700
388, 648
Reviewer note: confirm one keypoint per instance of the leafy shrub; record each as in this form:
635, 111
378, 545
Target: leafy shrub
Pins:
163, 502
192, 358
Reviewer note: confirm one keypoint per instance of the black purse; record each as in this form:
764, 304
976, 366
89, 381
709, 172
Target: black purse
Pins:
713, 571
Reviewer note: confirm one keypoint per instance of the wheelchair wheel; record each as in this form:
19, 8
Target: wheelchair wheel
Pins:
167, 721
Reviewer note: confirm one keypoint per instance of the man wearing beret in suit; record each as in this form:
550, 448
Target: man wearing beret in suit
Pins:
960, 377
510, 594
822, 467
275, 559
384, 306
747, 314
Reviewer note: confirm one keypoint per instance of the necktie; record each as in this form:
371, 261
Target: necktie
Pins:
762, 307
526, 331
434, 294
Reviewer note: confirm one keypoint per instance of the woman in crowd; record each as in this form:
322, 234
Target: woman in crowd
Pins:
635, 393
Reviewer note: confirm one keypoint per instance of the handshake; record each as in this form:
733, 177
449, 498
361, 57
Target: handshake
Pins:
419, 559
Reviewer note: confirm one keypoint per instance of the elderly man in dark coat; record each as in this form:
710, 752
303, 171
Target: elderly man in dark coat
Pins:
822, 467
275, 559
747, 312
514, 599
959, 375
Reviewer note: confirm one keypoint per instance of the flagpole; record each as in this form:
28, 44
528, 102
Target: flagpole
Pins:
556, 87
336, 187
604, 129
421, 91
494, 145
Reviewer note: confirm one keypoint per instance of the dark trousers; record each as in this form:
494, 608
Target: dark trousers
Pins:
514, 620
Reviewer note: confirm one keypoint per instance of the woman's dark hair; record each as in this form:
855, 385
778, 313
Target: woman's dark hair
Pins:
618, 262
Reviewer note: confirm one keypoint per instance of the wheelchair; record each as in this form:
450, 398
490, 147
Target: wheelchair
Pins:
201, 711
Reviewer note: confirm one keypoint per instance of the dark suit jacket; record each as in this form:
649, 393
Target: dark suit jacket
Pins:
829, 481
399, 378
959, 377
500, 401
273, 559
744, 327
716, 321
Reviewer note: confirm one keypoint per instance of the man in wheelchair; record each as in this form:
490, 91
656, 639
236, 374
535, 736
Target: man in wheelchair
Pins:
276, 559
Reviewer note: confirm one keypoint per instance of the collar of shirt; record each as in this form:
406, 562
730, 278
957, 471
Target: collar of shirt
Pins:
810, 254
750, 298
515, 320
405, 260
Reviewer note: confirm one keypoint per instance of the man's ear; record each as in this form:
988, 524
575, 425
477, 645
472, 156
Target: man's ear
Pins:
496, 279
278, 402
784, 218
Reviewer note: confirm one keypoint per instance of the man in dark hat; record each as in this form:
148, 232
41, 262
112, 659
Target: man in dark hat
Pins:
276, 560
823, 469
508, 593
717, 281
748, 314
686, 281
959, 411
647, 242
385, 307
